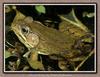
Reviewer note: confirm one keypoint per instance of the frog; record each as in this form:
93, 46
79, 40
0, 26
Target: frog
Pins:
40, 39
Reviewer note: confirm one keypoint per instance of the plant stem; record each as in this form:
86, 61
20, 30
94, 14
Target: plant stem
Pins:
76, 69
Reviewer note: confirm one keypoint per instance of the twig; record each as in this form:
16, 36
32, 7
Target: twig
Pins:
76, 69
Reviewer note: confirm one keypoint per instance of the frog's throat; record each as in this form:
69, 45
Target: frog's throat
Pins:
24, 41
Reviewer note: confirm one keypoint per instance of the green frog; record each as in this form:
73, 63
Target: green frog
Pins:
40, 39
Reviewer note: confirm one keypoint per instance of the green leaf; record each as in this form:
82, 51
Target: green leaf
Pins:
40, 9
7, 54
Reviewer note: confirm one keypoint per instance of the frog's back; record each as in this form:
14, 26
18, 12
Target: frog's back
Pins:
51, 40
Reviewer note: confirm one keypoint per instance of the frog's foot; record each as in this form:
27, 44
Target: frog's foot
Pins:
32, 58
66, 65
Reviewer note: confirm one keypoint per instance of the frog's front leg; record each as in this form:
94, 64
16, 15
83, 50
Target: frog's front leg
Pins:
32, 58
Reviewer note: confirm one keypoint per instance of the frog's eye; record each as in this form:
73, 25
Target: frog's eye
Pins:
25, 29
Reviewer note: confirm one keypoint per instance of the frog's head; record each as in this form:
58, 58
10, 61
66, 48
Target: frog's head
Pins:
24, 32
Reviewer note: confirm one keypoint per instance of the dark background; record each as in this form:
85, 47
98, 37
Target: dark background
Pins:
51, 14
